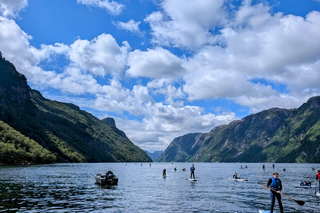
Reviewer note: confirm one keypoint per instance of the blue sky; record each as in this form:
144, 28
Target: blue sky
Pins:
163, 69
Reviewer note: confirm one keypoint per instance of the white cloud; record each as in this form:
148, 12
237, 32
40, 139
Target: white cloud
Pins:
100, 56
131, 26
11, 8
188, 26
14, 42
112, 7
257, 45
253, 52
163, 123
154, 63
257, 104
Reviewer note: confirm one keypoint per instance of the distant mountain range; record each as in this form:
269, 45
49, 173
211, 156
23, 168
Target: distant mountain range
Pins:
153, 155
38, 130
274, 135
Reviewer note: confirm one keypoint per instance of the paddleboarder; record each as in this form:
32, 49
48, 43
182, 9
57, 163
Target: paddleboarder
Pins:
192, 171
164, 172
275, 183
318, 178
235, 176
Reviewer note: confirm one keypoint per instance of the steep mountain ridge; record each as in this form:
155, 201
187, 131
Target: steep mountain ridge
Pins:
69, 133
274, 135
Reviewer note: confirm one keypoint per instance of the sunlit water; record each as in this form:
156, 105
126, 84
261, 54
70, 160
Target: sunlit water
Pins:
141, 188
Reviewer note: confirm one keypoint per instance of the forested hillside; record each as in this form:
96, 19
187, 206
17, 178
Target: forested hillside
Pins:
67, 132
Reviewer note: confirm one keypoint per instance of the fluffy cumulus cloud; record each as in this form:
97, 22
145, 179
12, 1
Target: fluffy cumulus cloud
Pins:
154, 63
188, 26
242, 54
255, 44
15, 42
165, 122
11, 8
100, 56
112, 7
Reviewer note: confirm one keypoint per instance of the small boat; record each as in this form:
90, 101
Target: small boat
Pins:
106, 179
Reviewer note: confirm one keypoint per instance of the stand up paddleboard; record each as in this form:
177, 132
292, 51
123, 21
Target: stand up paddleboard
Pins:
238, 179
265, 211
318, 193
302, 186
191, 179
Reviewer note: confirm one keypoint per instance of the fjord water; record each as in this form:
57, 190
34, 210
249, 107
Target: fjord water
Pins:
141, 188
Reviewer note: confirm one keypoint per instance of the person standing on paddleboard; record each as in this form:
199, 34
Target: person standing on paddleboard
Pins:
164, 172
192, 171
275, 183
318, 178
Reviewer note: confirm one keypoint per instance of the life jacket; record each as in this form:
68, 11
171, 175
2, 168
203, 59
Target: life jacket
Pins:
275, 184
192, 169
318, 177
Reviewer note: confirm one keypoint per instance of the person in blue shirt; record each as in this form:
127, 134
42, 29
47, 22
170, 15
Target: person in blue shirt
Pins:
192, 171
275, 184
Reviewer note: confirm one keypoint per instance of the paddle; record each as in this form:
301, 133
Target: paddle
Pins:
300, 202
315, 190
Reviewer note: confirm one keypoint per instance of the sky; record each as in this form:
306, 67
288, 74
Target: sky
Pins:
166, 68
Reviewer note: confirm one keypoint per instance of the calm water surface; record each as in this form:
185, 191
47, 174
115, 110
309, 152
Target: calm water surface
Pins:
141, 188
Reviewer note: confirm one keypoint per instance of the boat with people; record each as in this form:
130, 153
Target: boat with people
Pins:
106, 179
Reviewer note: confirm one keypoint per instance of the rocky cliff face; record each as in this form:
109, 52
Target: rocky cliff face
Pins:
274, 135
181, 148
14, 91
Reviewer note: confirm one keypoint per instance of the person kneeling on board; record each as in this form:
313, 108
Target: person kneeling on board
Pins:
235, 176
305, 183
275, 184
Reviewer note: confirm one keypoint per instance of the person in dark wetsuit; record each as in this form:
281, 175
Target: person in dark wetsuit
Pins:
235, 176
275, 183
192, 171
164, 172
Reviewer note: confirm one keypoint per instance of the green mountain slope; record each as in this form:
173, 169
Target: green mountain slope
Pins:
274, 135
69, 133
16, 148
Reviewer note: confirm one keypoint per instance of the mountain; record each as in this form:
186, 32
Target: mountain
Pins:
68, 133
154, 154
181, 149
274, 135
